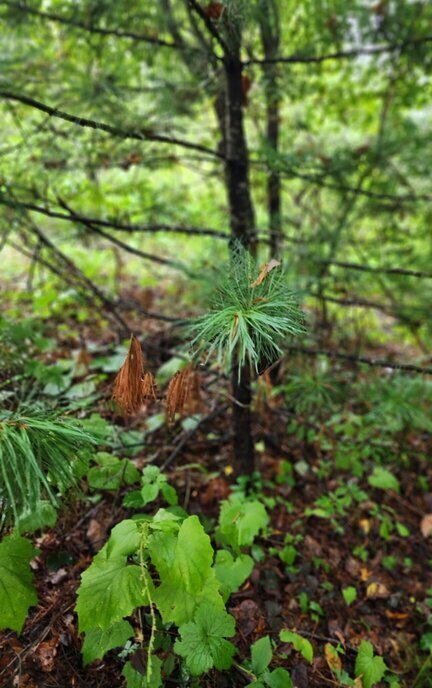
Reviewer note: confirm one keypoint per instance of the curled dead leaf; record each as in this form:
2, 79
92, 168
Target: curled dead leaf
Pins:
376, 591
332, 658
265, 269
46, 653
426, 525
133, 385
184, 394
365, 525
364, 573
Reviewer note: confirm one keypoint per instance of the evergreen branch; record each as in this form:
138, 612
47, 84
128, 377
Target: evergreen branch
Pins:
319, 181
91, 28
37, 457
113, 224
122, 244
88, 284
136, 135
342, 54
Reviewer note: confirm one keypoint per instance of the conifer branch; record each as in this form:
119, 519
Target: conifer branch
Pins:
136, 135
342, 54
91, 28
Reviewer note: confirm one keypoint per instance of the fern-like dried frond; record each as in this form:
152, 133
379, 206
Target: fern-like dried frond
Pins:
133, 385
184, 394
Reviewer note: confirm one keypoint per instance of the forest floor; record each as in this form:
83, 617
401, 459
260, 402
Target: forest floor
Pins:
340, 547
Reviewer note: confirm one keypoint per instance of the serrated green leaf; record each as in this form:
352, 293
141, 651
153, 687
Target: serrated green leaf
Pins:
149, 492
383, 479
17, 593
203, 643
97, 642
190, 579
110, 589
135, 679
123, 541
240, 521
43, 516
279, 678
231, 572
261, 655
371, 668
300, 644
111, 472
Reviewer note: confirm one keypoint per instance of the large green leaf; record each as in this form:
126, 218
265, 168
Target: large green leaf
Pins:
279, 678
134, 679
231, 572
123, 541
203, 641
17, 593
261, 654
111, 588
97, 641
111, 472
190, 579
371, 668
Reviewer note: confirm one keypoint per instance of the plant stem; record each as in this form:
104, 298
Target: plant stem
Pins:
146, 590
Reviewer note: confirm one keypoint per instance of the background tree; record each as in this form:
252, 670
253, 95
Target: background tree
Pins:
299, 126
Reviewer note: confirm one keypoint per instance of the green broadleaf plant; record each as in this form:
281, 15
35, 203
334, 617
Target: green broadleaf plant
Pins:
203, 641
301, 644
17, 592
167, 563
240, 521
368, 666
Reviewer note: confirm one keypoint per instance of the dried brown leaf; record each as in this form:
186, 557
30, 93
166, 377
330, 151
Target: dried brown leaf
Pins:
332, 658
184, 394
265, 269
426, 525
133, 385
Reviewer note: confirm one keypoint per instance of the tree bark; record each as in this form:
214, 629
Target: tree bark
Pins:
270, 39
242, 226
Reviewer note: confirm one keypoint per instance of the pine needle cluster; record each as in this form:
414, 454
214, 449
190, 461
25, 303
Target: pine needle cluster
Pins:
38, 460
252, 313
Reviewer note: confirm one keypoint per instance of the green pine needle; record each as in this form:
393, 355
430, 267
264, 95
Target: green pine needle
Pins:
38, 458
247, 323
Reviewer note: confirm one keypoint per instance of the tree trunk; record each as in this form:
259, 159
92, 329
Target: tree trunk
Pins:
274, 205
242, 229
270, 39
